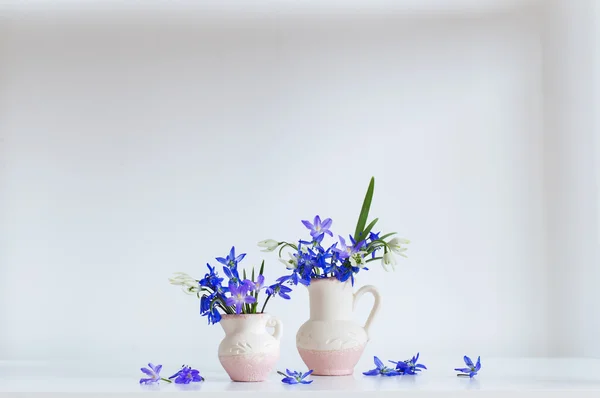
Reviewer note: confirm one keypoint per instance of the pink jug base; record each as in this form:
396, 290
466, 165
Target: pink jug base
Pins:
332, 363
248, 368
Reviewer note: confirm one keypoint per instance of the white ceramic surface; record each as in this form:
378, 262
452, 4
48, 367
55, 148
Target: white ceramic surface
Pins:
330, 342
248, 352
246, 334
330, 326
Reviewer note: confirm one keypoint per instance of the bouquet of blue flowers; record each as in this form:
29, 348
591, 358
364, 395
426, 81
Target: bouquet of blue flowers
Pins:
239, 295
343, 259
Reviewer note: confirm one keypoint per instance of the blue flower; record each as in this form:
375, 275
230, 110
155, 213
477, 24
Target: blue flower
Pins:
410, 366
259, 284
211, 279
239, 297
373, 237
345, 251
232, 274
279, 289
381, 369
317, 227
315, 243
343, 273
231, 260
299, 275
471, 370
205, 303
187, 375
154, 374
295, 377
214, 316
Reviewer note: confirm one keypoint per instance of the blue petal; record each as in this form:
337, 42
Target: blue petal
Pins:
307, 374
471, 374
352, 240
372, 372
308, 225
478, 365
221, 260
147, 371
317, 221
232, 253
420, 366
463, 370
378, 363
240, 257
468, 361
306, 381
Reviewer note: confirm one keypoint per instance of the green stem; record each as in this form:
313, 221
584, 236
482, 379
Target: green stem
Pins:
373, 259
266, 301
287, 244
225, 307
167, 380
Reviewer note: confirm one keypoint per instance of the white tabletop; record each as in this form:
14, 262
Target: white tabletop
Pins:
498, 377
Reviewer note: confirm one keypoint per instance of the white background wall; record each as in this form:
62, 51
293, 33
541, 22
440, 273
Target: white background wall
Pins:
130, 150
572, 159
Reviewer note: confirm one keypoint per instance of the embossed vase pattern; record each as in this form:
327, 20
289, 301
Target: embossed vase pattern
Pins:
330, 342
249, 352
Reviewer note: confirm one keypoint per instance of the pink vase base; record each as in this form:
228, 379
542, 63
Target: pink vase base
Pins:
332, 363
249, 368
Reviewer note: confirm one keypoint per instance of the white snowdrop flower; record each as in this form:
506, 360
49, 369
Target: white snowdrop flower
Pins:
395, 245
358, 259
388, 260
268, 244
290, 264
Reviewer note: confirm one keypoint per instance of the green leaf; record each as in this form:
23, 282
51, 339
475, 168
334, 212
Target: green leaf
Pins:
253, 275
262, 267
364, 212
365, 233
244, 273
387, 235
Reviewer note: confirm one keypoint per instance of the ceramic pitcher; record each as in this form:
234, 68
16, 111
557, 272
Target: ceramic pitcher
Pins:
249, 352
330, 342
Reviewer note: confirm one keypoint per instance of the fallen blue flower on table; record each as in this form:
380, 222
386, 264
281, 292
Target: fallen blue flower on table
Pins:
295, 377
187, 375
410, 366
154, 374
381, 369
471, 370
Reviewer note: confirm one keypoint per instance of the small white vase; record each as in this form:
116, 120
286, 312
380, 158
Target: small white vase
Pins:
248, 352
330, 342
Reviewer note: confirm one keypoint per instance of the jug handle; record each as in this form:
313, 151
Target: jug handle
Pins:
276, 324
373, 290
